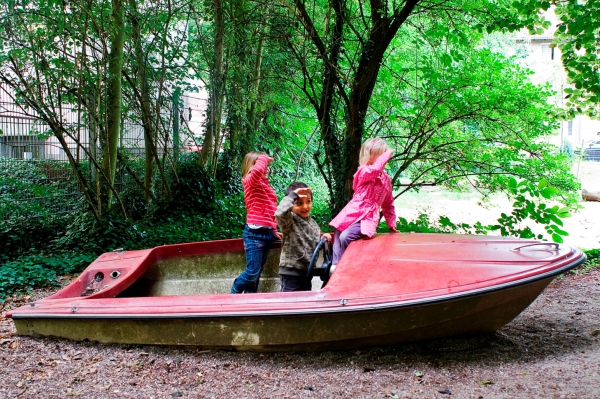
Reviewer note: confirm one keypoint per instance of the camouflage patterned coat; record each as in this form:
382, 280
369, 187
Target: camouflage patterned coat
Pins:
300, 237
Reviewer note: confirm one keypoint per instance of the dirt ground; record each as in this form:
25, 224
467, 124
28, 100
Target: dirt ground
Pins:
551, 350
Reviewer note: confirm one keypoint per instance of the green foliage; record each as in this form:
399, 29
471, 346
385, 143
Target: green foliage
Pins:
36, 201
576, 37
422, 224
193, 189
527, 206
27, 272
592, 262
593, 255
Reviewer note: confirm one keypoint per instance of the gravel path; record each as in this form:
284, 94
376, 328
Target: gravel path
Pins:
552, 350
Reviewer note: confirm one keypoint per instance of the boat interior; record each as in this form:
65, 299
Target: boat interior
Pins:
203, 274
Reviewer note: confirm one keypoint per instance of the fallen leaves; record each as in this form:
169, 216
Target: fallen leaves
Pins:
368, 370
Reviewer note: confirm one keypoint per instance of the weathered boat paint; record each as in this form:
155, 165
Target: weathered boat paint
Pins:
393, 288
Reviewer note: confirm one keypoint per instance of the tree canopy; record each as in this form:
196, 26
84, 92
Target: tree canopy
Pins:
578, 38
307, 82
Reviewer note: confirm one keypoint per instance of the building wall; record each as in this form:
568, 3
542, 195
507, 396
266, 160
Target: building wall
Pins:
546, 64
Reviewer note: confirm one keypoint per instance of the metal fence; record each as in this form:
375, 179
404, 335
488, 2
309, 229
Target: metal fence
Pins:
34, 172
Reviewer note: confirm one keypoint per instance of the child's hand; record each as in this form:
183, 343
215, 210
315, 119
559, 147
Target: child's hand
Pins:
302, 192
328, 236
393, 229
278, 235
269, 159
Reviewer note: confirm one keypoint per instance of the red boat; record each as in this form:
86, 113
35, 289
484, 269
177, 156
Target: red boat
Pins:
390, 289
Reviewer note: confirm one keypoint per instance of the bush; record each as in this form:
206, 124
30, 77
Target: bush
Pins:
27, 272
593, 255
36, 201
194, 188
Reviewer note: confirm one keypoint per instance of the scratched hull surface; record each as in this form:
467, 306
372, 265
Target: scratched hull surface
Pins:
393, 288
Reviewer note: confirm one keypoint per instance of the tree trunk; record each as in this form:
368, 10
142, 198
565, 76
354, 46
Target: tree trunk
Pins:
115, 66
332, 170
144, 98
383, 30
252, 123
216, 89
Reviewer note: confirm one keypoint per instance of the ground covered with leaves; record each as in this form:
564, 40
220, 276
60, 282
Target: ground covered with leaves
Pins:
552, 350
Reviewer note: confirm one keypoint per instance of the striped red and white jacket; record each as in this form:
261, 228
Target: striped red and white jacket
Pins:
259, 196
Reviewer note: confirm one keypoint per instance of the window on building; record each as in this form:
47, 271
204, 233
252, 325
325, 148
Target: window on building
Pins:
570, 128
547, 52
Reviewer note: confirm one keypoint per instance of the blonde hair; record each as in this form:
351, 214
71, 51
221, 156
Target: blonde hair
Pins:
249, 161
371, 149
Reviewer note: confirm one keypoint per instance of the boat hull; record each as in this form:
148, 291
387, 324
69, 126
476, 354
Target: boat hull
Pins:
391, 289
344, 329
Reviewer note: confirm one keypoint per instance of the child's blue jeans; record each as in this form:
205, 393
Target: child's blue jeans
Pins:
257, 244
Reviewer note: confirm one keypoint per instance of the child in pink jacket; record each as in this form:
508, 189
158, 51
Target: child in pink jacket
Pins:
372, 191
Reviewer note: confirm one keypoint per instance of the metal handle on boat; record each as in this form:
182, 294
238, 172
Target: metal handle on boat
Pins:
537, 243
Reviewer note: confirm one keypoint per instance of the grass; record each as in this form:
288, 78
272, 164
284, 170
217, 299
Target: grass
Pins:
465, 207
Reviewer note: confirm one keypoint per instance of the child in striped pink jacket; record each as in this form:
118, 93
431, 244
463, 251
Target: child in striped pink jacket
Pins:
372, 192
261, 228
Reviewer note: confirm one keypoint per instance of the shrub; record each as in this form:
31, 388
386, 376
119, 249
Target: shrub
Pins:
36, 201
27, 272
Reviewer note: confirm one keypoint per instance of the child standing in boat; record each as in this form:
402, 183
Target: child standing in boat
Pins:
261, 228
372, 192
301, 235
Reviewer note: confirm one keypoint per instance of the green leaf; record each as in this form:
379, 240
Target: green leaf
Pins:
560, 231
548, 192
542, 183
557, 238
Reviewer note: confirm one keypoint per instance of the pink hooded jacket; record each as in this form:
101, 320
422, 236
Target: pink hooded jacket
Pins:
372, 190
